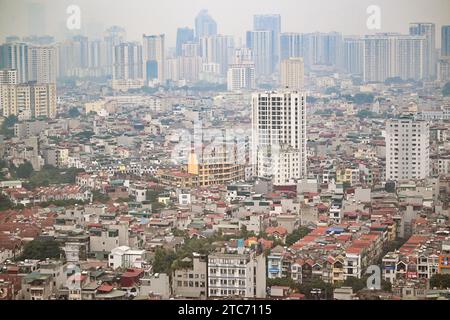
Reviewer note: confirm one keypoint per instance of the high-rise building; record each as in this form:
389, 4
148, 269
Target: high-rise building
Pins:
190, 49
410, 56
270, 22
217, 49
97, 62
444, 69
8, 76
113, 37
407, 149
29, 100
324, 49
241, 76
80, 57
184, 35
428, 30
315, 48
81, 44
42, 64
292, 74
292, 45
392, 55
279, 135
128, 66
218, 159
205, 25
189, 68
261, 44
15, 56
445, 41
240, 274
154, 57
354, 55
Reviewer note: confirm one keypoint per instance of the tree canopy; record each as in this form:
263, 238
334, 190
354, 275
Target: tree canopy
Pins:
440, 281
446, 89
41, 250
296, 235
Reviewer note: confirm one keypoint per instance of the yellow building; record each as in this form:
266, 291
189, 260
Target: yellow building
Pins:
217, 164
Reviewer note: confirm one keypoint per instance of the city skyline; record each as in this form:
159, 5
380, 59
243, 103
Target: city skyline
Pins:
276, 150
144, 16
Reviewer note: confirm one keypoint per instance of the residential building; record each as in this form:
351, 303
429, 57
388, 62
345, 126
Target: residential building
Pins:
28, 101
190, 279
279, 135
125, 257
407, 149
292, 73
42, 64
15, 56
427, 30
261, 43
240, 275
154, 58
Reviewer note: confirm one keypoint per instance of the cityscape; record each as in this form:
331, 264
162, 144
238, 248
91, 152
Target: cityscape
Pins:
224, 159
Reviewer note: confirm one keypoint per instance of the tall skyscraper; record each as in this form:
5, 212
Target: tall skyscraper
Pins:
261, 44
410, 57
204, 25
43, 64
218, 49
407, 149
81, 45
292, 45
270, 22
324, 49
28, 100
15, 56
114, 36
279, 135
154, 57
128, 66
292, 74
97, 63
392, 55
354, 55
184, 35
429, 31
445, 41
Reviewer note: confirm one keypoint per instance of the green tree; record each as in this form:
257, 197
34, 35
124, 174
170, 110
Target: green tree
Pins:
285, 282
6, 128
326, 289
97, 196
440, 281
5, 203
163, 261
41, 250
363, 114
297, 235
446, 89
24, 170
74, 112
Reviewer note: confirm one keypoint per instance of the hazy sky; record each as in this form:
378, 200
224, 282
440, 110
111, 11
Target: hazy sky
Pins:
233, 17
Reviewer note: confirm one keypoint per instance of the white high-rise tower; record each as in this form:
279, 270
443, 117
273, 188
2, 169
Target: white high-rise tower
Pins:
279, 135
407, 149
